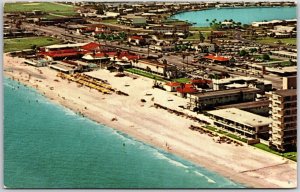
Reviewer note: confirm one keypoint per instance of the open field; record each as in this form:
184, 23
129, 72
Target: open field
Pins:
196, 35
43, 6
145, 74
111, 21
19, 44
273, 41
182, 80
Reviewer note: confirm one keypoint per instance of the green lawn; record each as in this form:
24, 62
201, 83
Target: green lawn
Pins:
272, 41
225, 133
196, 35
182, 80
271, 58
288, 155
18, 44
145, 74
200, 28
48, 7
111, 21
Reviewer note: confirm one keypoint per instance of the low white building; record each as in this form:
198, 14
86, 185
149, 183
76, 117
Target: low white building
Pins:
205, 47
243, 123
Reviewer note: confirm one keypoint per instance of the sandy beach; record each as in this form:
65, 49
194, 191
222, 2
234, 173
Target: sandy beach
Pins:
244, 164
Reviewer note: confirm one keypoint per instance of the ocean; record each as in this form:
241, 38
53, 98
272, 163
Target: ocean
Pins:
243, 15
49, 146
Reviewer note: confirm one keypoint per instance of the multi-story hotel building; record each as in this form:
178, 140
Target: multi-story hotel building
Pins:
284, 120
242, 123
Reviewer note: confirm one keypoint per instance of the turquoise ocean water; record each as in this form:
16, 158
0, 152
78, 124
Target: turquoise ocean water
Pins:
243, 15
49, 146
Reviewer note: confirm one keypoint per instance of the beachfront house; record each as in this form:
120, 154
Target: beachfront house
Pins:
242, 123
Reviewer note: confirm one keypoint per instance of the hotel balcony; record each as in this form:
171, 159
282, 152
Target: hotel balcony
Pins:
239, 128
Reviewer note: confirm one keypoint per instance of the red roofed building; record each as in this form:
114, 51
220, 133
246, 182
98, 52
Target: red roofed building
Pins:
136, 40
217, 59
125, 55
92, 46
202, 83
172, 86
62, 54
186, 88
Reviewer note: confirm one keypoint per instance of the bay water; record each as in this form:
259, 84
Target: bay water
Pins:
244, 15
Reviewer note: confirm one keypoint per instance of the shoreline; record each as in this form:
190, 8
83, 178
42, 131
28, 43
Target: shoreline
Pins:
130, 124
211, 8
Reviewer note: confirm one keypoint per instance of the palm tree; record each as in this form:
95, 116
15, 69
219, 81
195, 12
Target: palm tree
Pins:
201, 37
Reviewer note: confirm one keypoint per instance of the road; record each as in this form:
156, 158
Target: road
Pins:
171, 59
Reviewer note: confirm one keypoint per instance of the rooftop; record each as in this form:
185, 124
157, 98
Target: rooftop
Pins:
226, 92
285, 53
242, 117
233, 79
216, 58
246, 105
65, 46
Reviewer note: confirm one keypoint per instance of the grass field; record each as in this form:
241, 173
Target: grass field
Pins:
19, 44
182, 80
111, 21
145, 74
196, 35
288, 155
273, 41
48, 7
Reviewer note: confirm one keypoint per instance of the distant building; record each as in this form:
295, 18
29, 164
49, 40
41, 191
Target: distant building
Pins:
153, 66
217, 59
205, 47
136, 40
211, 99
133, 20
183, 28
285, 54
284, 116
172, 86
242, 123
235, 82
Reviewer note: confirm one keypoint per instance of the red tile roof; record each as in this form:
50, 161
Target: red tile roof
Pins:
173, 84
188, 88
200, 81
63, 53
136, 37
216, 58
91, 46
120, 55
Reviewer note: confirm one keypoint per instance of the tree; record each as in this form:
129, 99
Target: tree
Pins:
201, 37
34, 47
253, 50
266, 57
243, 53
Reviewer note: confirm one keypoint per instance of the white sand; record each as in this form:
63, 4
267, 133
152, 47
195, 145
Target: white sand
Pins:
244, 164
